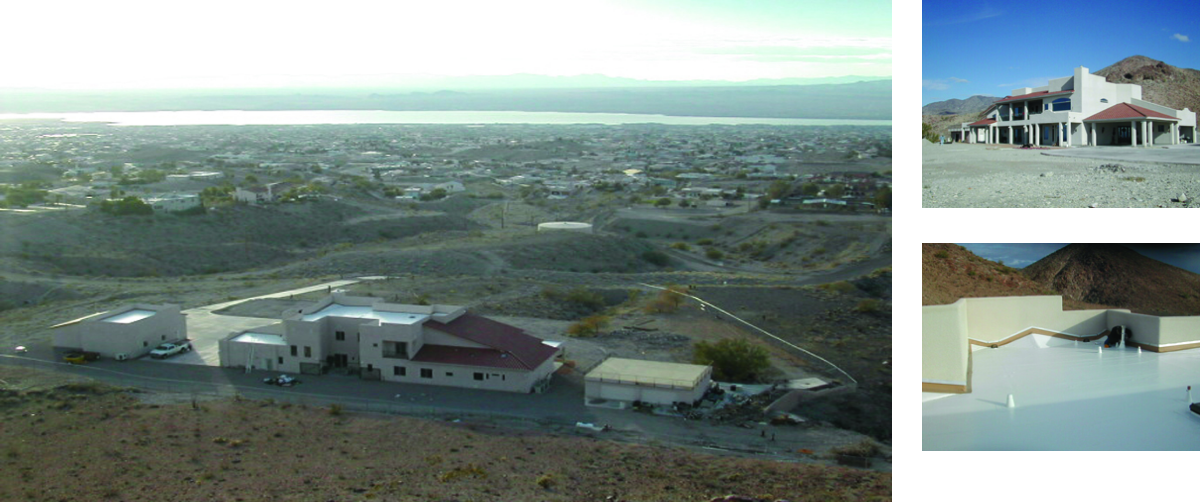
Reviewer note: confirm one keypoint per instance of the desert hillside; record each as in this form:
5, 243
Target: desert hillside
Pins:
950, 272
1113, 274
1161, 83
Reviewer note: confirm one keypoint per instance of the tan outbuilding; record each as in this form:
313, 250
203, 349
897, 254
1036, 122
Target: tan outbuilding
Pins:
124, 333
653, 382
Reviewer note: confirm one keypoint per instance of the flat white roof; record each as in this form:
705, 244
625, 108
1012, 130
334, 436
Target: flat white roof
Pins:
263, 338
129, 316
337, 310
1068, 396
652, 373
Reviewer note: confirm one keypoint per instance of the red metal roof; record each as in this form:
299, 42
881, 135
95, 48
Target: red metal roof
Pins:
467, 356
1127, 111
1032, 95
982, 122
528, 351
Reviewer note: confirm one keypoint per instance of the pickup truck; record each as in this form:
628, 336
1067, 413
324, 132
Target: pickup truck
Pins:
169, 349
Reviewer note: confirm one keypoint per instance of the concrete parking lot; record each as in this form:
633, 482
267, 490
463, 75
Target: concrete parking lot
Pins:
206, 327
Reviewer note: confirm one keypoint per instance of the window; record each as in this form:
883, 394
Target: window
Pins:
399, 371
293, 351
1161, 129
307, 351
1103, 100
479, 376
426, 373
145, 343
1062, 104
164, 337
339, 335
449, 373
280, 359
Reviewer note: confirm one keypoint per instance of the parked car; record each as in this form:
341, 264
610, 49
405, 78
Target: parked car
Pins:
81, 357
169, 349
281, 380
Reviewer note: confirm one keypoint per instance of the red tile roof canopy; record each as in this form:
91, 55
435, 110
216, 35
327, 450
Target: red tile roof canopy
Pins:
1127, 111
983, 122
527, 351
1032, 95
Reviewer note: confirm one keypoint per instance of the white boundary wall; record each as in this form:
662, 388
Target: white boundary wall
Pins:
947, 330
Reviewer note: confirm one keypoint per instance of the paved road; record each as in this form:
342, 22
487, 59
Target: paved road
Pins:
206, 328
556, 411
1174, 154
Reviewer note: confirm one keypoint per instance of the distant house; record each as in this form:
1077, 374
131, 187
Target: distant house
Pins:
174, 202
262, 194
630, 380
124, 333
435, 345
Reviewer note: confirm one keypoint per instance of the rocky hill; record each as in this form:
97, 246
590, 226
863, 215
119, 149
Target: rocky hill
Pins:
950, 272
1161, 83
973, 104
1112, 274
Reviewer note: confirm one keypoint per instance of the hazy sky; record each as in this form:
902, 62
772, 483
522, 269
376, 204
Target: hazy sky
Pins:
1020, 255
992, 47
220, 43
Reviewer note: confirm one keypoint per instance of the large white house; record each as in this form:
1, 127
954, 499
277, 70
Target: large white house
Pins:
1080, 110
429, 344
124, 333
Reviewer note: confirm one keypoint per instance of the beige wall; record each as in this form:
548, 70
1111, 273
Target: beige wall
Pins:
947, 330
944, 344
992, 320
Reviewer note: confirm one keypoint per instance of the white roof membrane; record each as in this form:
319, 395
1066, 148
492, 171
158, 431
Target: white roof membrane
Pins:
337, 310
1069, 396
263, 338
129, 316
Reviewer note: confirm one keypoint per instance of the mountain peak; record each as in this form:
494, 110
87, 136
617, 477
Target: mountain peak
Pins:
1112, 274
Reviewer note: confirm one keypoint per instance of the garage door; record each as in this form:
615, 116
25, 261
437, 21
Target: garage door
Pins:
619, 392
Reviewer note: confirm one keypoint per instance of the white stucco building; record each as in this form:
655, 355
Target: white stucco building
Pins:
428, 344
174, 202
1080, 110
124, 333
653, 382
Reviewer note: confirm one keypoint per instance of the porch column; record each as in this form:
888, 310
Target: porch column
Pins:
1025, 106
1010, 129
1067, 132
1095, 139
1146, 134
1083, 141
1174, 133
1037, 134
1133, 134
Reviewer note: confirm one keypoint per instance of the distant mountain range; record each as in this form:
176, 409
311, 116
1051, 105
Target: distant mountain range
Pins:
973, 104
1161, 83
870, 99
1086, 275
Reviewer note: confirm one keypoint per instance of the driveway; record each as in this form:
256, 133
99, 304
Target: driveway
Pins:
1174, 154
206, 328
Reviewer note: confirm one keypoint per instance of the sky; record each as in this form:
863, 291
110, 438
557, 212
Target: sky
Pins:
139, 44
1185, 256
991, 48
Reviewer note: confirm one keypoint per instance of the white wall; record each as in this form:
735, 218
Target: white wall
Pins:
944, 345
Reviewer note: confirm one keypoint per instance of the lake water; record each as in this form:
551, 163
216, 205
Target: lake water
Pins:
309, 117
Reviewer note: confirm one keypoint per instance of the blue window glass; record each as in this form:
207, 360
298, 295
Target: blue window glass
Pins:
1062, 104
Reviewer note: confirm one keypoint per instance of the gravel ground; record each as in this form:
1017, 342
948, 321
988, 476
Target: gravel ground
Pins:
1000, 176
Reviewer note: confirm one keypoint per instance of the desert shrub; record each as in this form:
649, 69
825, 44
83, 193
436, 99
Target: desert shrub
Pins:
461, 472
128, 206
941, 254
865, 448
682, 246
714, 254
656, 257
667, 301
335, 409
867, 306
843, 287
588, 326
545, 481
704, 242
732, 359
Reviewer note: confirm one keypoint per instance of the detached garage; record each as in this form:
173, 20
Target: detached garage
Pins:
652, 382
124, 333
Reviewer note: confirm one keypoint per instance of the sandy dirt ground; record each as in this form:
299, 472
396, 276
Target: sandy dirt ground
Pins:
1000, 176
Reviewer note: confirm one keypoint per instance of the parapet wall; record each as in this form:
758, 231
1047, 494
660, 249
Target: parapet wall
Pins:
948, 331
